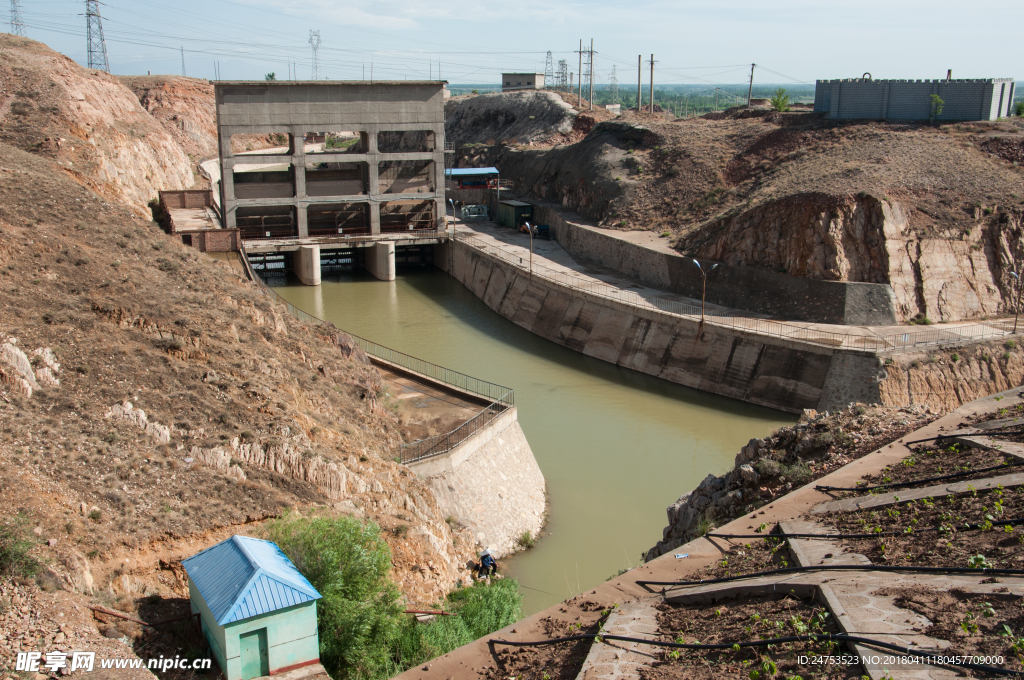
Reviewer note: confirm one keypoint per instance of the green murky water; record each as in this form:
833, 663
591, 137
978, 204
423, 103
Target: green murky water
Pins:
615, 446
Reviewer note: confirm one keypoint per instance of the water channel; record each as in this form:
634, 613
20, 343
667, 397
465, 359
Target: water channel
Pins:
615, 446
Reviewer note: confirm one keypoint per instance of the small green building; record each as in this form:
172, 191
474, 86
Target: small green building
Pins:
513, 214
257, 611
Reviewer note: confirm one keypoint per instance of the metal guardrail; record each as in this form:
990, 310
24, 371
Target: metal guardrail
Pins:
788, 331
438, 444
501, 398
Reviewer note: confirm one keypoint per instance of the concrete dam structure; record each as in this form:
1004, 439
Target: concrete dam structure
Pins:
784, 374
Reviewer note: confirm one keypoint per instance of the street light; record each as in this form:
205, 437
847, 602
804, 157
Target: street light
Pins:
529, 230
704, 289
453, 215
1016, 307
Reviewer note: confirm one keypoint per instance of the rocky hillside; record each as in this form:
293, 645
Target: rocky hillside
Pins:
154, 401
88, 123
185, 108
787, 459
532, 116
934, 211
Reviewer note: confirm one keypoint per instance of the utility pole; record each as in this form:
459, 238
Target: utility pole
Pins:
751, 87
183, 61
652, 83
716, 99
591, 69
314, 42
17, 23
96, 45
639, 82
579, 96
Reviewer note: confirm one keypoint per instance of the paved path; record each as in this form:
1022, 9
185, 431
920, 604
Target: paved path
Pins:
552, 261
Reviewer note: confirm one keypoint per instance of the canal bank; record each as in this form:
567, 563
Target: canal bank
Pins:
615, 446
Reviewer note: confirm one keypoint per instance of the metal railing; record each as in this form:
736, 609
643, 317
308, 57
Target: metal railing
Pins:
788, 331
438, 444
501, 398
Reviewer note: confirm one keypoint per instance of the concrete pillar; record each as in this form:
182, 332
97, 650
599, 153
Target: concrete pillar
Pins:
302, 220
307, 265
380, 260
374, 217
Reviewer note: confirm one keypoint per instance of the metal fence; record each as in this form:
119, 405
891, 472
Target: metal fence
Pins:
501, 398
438, 444
789, 331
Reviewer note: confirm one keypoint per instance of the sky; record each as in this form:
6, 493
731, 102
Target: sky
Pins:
711, 41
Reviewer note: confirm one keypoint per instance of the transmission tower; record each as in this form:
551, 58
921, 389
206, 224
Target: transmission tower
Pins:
549, 71
183, 61
562, 79
314, 41
613, 79
97, 46
17, 23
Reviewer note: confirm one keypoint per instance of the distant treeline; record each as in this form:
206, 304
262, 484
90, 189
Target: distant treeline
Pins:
679, 99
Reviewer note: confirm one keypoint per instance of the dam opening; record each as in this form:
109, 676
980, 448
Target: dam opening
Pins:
615, 446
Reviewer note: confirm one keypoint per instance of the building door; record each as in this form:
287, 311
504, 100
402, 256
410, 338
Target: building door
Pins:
255, 655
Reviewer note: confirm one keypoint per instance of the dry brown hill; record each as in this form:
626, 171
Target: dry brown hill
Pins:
88, 122
157, 389
934, 211
185, 108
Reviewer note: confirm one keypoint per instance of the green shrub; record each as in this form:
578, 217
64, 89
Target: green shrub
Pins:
780, 100
526, 540
363, 632
348, 562
1009, 344
767, 467
15, 545
798, 473
482, 609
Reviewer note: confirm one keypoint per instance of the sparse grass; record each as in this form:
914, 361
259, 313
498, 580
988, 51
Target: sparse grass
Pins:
16, 544
526, 540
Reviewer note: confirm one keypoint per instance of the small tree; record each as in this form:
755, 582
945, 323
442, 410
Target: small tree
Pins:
936, 107
270, 76
780, 100
1018, 109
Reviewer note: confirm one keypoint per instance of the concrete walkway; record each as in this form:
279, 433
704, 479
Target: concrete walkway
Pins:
551, 261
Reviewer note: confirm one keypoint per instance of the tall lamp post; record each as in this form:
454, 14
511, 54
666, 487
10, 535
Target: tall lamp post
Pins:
1016, 307
704, 288
453, 214
529, 230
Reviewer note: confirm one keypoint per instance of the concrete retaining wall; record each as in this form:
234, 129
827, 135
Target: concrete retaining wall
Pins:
490, 483
782, 374
789, 297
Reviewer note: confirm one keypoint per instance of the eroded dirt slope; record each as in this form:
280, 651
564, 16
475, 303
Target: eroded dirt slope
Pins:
154, 401
88, 122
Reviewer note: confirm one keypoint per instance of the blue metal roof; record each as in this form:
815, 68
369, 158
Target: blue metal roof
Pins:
474, 172
243, 577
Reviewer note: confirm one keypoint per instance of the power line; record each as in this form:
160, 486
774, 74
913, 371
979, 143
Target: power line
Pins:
314, 41
96, 45
17, 23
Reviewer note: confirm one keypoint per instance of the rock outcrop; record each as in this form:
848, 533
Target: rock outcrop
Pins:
789, 458
863, 238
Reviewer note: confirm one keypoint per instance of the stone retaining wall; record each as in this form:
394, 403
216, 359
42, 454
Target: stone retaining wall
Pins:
783, 374
490, 483
790, 297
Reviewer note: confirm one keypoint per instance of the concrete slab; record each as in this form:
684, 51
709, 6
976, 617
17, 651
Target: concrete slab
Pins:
618, 660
